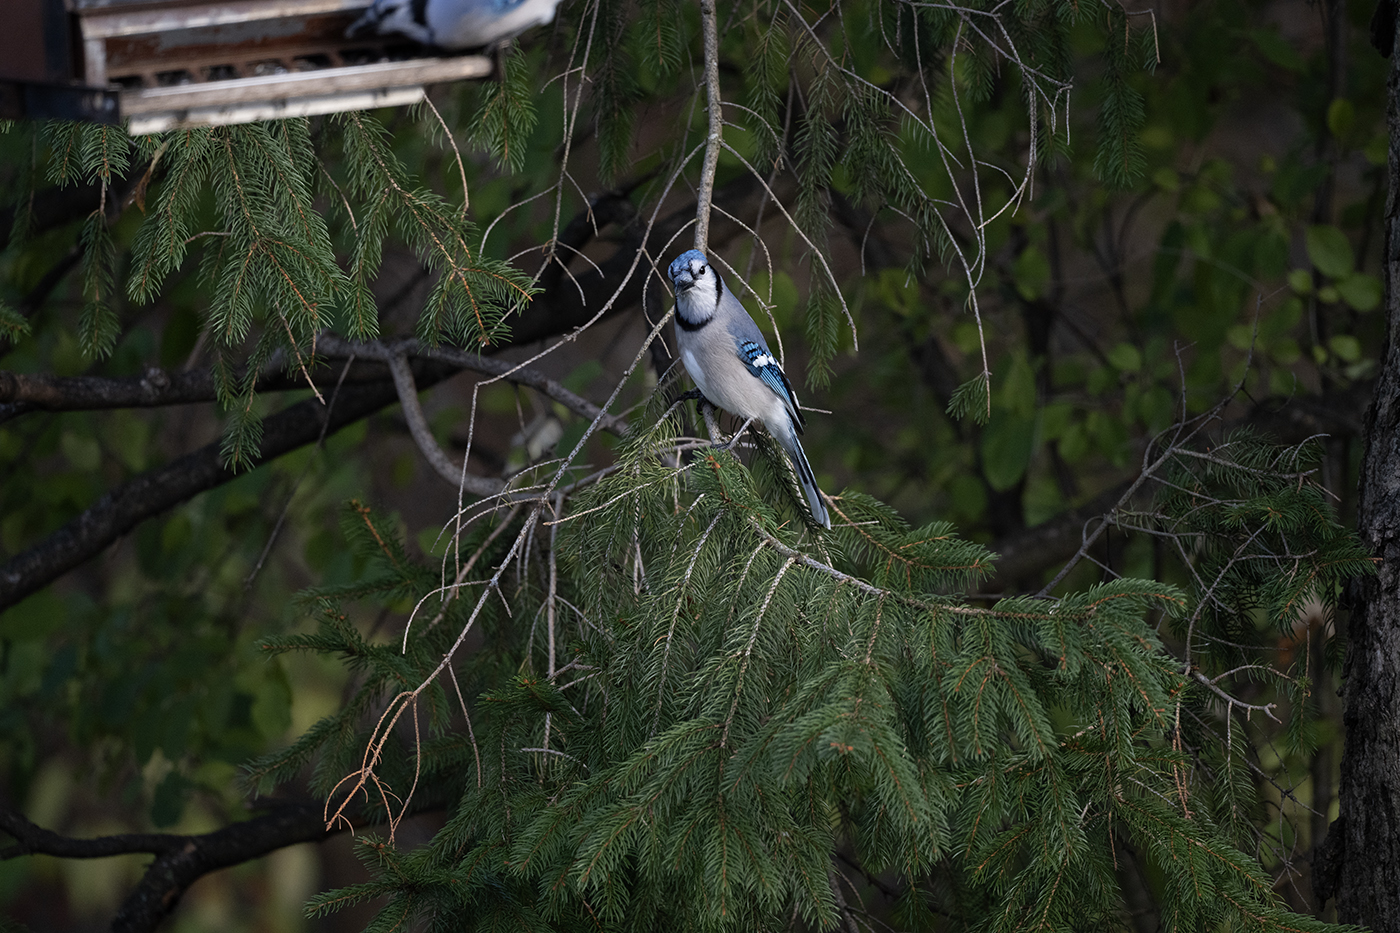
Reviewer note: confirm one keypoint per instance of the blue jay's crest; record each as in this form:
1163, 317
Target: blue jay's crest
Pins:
685, 262
695, 305
454, 24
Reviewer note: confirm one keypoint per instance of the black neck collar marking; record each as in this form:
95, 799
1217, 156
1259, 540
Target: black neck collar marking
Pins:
689, 327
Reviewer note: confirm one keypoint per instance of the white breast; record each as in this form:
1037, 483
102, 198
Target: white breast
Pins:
692, 366
723, 378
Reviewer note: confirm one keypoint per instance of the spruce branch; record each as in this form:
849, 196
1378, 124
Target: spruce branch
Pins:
747, 653
681, 594
367, 774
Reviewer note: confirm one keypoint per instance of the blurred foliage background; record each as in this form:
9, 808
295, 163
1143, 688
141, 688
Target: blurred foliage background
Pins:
1233, 239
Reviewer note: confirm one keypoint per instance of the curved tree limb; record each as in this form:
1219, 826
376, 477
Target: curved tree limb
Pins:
153, 492
180, 860
458, 478
192, 857
23, 392
333, 347
33, 839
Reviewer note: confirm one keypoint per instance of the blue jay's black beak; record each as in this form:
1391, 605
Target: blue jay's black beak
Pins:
683, 283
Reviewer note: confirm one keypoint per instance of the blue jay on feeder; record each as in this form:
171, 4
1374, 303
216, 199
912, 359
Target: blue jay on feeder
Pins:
726, 355
454, 24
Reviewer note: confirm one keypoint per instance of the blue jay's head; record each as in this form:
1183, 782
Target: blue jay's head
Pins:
406, 17
698, 286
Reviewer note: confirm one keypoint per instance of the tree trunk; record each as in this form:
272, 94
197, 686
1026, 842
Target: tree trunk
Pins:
1360, 862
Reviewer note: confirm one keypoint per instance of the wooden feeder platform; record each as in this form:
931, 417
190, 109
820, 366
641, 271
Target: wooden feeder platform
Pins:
168, 64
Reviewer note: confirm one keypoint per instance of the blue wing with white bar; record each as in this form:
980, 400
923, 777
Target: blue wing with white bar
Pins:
764, 365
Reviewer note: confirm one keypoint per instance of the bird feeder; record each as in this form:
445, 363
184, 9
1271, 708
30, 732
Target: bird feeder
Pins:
168, 64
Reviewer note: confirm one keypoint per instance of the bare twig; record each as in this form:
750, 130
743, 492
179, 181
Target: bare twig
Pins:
715, 135
423, 437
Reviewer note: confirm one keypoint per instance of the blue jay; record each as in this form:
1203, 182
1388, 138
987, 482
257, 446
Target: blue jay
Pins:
454, 24
726, 355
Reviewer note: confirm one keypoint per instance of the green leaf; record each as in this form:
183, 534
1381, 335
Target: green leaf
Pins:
1341, 115
1377, 149
1126, 357
1347, 347
81, 450
1018, 392
583, 376
1157, 408
1330, 251
34, 617
1055, 419
1361, 291
271, 711
1031, 272
1278, 49
1007, 444
1241, 336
